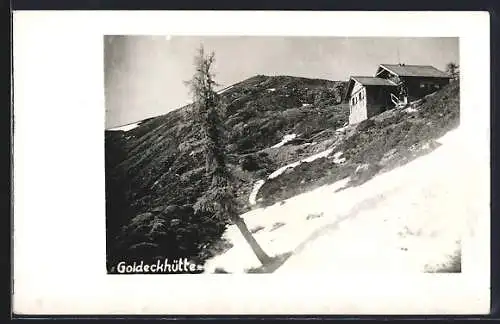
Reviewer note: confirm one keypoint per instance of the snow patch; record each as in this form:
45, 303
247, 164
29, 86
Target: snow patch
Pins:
425, 146
286, 139
294, 164
339, 161
283, 169
225, 89
410, 110
278, 172
361, 167
337, 158
318, 156
125, 128
253, 195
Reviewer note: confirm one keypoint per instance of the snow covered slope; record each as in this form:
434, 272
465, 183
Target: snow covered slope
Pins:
410, 219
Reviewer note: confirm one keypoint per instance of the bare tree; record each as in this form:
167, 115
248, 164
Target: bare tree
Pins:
220, 198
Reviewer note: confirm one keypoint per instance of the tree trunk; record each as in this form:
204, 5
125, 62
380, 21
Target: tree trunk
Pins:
259, 252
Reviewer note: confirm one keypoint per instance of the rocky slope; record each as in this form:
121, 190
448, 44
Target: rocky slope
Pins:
286, 137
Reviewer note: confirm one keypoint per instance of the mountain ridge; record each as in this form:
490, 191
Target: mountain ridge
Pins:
117, 127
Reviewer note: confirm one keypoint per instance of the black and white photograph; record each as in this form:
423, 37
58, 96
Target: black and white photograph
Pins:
282, 154
176, 163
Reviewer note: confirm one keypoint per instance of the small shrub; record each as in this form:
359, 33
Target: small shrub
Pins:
249, 163
312, 216
256, 229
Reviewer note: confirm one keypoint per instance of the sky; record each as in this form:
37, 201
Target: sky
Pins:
144, 75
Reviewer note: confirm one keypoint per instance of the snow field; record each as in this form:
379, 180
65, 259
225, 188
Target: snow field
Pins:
410, 219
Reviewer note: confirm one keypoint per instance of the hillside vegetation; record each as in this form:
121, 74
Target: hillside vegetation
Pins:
155, 172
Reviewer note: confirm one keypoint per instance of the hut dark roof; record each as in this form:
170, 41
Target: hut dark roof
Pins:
404, 70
